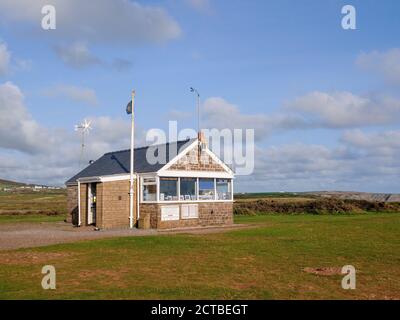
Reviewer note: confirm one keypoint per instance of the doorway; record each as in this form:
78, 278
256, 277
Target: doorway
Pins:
91, 217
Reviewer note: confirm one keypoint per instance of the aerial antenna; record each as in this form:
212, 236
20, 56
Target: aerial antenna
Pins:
84, 127
198, 107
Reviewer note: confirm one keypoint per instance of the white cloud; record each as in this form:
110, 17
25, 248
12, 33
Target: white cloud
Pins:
33, 153
17, 128
361, 162
77, 55
73, 93
381, 143
220, 114
314, 110
345, 110
5, 57
108, 21
387, 64
9, 63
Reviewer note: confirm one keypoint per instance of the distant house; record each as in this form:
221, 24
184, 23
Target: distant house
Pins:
193, 187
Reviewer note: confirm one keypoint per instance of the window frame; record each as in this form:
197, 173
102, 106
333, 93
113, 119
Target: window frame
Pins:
197, 187
143, 183
213, 190
196, 191
177, 185
229, 187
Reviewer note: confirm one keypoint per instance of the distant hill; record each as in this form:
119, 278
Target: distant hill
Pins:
9, 183
352, 195
343, 195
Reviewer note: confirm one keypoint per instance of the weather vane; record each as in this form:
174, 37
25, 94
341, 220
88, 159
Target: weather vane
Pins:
84, 127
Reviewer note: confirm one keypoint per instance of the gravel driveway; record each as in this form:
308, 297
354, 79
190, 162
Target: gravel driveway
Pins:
25, 235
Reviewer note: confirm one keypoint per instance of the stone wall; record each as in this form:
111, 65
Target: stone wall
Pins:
210, 214
191, 161
113, 206
72, 204
99, 204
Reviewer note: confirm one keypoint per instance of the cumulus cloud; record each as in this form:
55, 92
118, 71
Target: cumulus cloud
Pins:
61, 160
382, 143
220, 114
34, 153
17, 128
365, 161
5, 57
317, 109
74, 93
345, 109
109, 21
360, 162
386, 64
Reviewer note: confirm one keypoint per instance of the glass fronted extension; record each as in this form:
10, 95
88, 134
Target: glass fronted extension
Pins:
172, 189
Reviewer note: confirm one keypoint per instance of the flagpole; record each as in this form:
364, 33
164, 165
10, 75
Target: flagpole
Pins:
132, 163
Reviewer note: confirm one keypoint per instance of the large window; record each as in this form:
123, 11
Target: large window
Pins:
206, 189
185, 189
224, 189
149, 189
188, 189
168, 189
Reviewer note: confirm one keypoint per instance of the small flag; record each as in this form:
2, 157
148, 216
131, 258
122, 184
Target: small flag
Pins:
129, 107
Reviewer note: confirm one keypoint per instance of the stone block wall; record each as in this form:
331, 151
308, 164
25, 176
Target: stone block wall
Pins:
72, 204
191, 161
113, 206
210, 214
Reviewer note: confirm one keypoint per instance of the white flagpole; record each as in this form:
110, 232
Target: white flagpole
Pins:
132, 164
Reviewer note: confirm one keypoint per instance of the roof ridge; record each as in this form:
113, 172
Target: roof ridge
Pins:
144, 147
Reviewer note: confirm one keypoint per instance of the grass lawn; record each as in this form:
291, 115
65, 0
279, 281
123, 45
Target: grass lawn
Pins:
30, 218
264, 262
43, 206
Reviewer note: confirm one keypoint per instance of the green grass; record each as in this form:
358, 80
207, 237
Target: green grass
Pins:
32, 206
263, 262
30, 218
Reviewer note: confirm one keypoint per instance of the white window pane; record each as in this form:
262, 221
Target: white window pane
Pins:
206, 189
168, 189
188, 189
224, 190
149, 192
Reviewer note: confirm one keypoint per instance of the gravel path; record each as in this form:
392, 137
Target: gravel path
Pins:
25, 235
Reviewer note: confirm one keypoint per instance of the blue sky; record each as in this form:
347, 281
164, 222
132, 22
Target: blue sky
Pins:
261, 59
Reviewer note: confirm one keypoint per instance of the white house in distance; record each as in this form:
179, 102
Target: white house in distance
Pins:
193, 188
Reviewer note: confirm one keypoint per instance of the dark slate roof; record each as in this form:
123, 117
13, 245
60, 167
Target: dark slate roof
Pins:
118, 162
